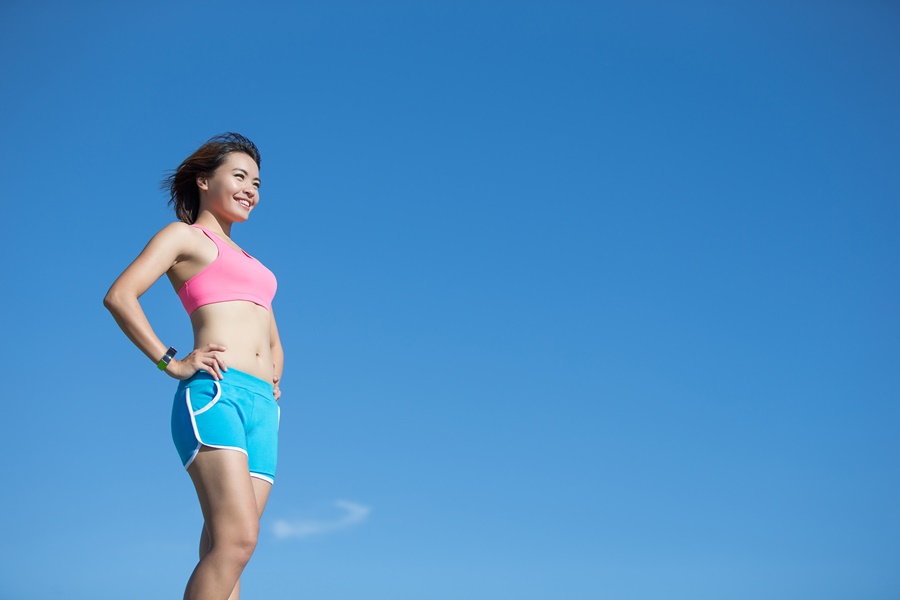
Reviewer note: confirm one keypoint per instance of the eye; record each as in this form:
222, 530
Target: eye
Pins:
239, 176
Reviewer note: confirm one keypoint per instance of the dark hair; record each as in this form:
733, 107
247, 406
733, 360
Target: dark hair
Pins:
182, 182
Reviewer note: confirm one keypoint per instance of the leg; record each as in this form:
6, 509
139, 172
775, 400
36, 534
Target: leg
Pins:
231, 515
261, 491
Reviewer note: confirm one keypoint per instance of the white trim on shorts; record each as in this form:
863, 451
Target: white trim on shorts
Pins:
200, 443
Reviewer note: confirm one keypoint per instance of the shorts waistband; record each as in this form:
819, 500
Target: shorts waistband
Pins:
235, 378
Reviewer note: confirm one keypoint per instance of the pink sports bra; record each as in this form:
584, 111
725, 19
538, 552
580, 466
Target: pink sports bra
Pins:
233, 275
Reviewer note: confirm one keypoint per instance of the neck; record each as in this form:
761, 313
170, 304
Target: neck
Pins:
213, 223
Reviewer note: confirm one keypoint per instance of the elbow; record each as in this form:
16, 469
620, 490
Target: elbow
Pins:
112, 300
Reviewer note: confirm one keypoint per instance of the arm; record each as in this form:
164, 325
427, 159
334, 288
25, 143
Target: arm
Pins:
277, 356
166, 248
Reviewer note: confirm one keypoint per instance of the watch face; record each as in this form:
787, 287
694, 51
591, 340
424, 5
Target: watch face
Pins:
166, 359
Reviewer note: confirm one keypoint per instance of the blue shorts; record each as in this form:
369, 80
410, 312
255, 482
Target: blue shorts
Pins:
238, 413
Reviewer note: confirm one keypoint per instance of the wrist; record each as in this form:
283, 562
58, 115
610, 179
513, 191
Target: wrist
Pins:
167, 358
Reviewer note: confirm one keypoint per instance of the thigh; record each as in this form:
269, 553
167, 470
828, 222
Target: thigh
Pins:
225, 490
261, 489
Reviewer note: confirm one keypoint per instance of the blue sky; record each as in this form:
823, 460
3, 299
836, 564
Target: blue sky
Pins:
579, 300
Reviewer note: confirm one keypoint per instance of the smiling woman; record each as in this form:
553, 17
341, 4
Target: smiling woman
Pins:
183, 184
225, 414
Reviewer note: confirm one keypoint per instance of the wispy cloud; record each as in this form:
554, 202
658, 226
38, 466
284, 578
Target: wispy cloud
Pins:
354, 514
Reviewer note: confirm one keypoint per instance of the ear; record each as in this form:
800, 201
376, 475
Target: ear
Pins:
203, 182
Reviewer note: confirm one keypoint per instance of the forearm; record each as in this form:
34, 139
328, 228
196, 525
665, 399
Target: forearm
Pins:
127, 312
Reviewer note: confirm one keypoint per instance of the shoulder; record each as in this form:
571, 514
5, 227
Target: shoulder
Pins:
175, 239
177, 234
177, 229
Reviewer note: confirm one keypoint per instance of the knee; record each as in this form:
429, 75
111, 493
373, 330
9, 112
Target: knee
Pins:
242, 542
245, 543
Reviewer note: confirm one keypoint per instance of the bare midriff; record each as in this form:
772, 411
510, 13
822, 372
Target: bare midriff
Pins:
244, 328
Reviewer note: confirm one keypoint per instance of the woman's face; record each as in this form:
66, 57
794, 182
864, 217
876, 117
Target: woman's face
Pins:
233, 190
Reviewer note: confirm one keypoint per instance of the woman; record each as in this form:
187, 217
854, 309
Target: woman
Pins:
225, 414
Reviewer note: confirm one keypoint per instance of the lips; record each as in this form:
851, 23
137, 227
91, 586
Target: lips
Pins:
244, 203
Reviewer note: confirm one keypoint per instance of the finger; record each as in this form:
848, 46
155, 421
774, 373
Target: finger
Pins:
220, 362
215, 348
213, 369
